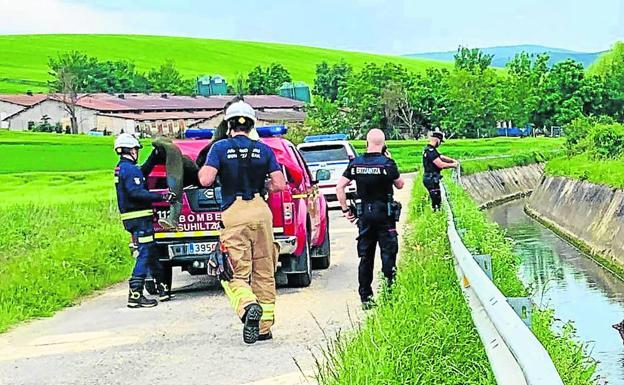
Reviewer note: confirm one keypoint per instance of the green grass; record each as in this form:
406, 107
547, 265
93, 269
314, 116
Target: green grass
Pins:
493, 153
51, 254
24, 58
45, 152
606, 172
41, 152
424, 334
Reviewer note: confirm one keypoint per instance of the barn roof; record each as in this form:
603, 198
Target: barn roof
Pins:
24, 100
169, 115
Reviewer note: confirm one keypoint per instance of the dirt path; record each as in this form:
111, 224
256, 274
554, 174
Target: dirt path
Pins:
194, 339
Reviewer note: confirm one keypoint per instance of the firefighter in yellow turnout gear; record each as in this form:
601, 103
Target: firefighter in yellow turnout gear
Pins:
243, 165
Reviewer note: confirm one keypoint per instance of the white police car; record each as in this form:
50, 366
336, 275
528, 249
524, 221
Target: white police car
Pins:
332, 153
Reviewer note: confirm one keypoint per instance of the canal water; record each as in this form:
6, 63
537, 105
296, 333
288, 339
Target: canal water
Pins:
563, 278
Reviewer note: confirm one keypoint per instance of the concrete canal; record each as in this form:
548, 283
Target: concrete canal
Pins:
563, 278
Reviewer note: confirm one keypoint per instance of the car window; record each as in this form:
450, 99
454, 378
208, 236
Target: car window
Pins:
353, 149
325, 153
303, 165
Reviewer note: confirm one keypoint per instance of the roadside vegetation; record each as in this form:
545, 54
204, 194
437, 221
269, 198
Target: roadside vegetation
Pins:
595, 150
51, 254
414, 334
423, 334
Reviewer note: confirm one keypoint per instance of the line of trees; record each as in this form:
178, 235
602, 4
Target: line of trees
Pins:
469, 99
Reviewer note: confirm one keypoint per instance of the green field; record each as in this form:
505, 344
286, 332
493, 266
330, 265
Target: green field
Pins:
609, 172
24, 58
41, 152
475, 155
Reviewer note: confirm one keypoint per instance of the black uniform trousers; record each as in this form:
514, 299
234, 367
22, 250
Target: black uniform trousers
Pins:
375, 226
432, 184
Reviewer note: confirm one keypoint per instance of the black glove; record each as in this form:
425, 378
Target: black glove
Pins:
220, 265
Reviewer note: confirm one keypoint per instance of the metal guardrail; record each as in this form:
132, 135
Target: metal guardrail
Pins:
529, 354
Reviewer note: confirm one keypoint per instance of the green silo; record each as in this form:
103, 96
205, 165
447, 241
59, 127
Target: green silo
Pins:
211, 85
297, 91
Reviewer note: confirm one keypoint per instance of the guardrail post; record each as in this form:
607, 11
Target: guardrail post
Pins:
523, 307
485, 262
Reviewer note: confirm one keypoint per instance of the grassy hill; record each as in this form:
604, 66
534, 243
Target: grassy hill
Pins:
503, 54
23, 58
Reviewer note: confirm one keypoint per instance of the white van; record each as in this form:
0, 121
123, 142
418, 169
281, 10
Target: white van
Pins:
332, 153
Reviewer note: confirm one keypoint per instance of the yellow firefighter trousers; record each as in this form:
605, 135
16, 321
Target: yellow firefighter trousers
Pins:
248, 237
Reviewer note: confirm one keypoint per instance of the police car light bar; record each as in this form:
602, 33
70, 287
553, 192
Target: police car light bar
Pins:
271, 131
325, 138
199, 133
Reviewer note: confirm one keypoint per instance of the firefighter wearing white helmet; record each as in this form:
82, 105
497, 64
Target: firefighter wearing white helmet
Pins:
243, 165
135, 205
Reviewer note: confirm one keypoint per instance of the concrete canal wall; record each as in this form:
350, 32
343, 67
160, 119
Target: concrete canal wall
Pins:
590, 216
495, 187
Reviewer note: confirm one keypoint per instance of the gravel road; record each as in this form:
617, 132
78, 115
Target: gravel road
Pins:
195, 339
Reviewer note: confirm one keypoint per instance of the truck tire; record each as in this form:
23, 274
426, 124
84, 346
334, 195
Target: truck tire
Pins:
322, 259
302, 279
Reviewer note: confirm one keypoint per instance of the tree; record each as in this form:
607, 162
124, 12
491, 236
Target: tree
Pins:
472, 60
609, 70
331, 79
474, 103
561, 95
168, 79
69, 95
525, 76
267, 81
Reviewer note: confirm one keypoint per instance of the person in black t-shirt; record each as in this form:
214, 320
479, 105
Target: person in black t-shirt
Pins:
376, 175
433, 163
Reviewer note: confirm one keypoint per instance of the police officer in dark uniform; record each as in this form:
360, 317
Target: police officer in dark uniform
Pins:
433, 163
375, 175
135, 205
243, 165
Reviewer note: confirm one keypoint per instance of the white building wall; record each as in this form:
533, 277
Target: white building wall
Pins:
115, 125
8, 109
54, 109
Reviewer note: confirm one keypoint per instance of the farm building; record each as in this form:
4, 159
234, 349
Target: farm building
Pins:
12, 104
142, 113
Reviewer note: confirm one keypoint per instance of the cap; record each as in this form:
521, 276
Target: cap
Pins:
439, 135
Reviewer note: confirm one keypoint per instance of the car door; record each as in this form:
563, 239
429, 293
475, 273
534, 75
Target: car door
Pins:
312, 196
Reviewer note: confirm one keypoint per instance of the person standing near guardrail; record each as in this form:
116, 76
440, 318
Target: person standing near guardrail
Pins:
242, 165
433, 164
375, 175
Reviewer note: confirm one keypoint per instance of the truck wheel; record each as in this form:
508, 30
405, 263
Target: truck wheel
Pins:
322, 260
302, 279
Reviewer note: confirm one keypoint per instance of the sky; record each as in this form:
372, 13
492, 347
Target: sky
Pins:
390, 27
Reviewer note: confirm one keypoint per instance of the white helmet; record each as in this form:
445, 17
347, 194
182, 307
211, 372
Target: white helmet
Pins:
240, 109
127, 141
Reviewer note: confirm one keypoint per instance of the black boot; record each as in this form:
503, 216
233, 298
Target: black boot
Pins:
136, 299
164, 292
251, 319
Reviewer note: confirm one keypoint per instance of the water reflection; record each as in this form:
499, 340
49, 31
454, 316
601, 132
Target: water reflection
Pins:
563, 278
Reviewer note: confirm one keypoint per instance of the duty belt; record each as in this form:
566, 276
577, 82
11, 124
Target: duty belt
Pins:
136, 214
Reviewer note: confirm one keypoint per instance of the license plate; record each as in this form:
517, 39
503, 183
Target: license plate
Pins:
195, 248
